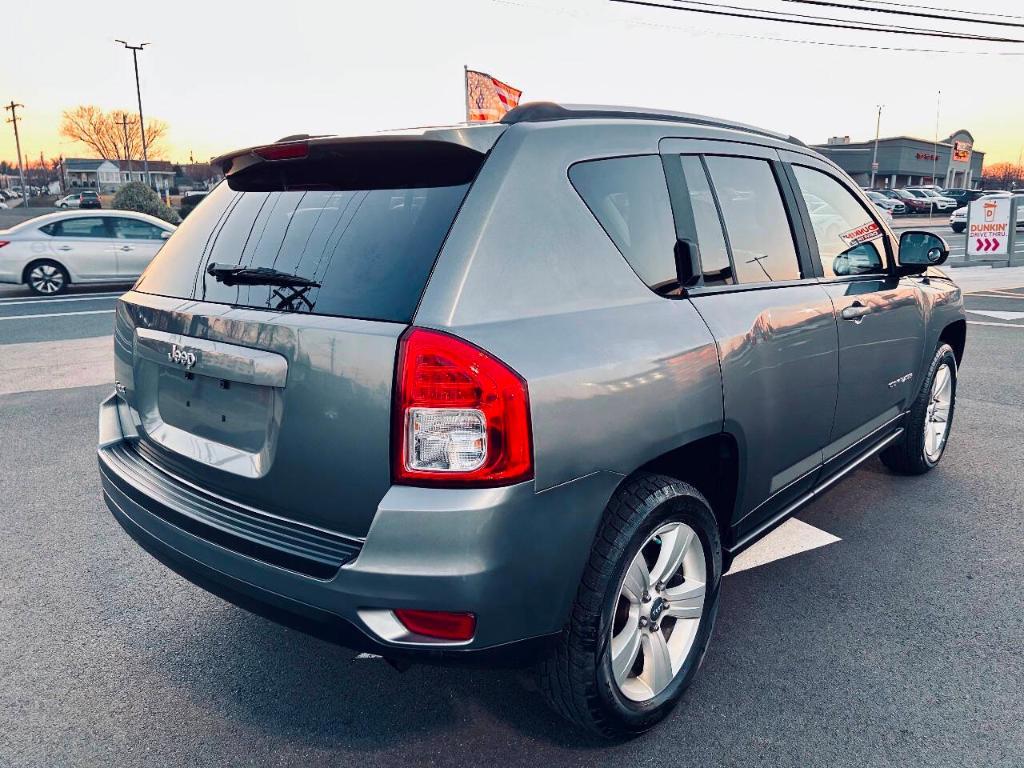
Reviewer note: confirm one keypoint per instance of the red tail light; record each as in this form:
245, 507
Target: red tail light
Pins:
462, 417
291, 150
4, 242
443, 625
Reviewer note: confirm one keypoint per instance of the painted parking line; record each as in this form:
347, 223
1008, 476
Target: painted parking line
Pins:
994, 293
62, 364
16, 302
791, 538
996, 325
998, 314
60, 314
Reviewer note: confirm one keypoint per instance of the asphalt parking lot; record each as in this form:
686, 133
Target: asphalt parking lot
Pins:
896, 641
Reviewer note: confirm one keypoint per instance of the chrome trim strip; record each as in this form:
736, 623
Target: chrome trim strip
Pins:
216, 359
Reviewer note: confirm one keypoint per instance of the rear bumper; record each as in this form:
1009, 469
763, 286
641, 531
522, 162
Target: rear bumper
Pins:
511, 556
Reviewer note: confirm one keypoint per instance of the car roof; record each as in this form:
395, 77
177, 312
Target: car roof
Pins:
49, 218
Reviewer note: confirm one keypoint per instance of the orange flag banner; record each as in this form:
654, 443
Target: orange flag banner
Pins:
487, 98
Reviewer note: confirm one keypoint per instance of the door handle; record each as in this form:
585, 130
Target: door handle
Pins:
127, 248
855, 312
63, 247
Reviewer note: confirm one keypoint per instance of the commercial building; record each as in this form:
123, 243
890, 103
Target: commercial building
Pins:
904, 161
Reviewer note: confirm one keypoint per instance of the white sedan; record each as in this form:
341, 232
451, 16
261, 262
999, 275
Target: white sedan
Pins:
958, 220
49, 252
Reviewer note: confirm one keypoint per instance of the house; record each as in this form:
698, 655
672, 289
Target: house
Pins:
89, 173
161, 173
110, 175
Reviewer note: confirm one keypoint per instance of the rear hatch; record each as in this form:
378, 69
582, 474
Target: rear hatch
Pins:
273, 388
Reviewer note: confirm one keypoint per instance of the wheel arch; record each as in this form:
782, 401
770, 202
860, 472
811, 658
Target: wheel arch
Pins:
45, 260
711, 464
955, 334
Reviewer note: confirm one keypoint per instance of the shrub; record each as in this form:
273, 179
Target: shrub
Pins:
136, 196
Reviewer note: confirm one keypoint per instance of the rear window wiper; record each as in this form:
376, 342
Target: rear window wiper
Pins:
236, 274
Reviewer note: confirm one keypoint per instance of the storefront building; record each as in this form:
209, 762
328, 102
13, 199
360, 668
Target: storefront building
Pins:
904, 161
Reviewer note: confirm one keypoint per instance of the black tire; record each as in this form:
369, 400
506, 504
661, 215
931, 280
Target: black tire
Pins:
907, 456
576, 677
958, 228
54, 286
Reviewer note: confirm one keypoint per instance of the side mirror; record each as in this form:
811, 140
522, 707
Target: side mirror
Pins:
920, 250
165, 235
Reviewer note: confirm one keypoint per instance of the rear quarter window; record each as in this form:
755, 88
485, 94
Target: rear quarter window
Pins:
629, 198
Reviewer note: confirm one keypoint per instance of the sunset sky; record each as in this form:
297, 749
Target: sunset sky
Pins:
225, 75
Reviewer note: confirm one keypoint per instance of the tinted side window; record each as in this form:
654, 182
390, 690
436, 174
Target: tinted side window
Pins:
849, 239
133, 229
755, 218
714, 256
629, 198
85, 227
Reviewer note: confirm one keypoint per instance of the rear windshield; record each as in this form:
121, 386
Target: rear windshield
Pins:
371, 250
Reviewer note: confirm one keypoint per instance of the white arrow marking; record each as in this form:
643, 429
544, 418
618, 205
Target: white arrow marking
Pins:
998, 314
791, 538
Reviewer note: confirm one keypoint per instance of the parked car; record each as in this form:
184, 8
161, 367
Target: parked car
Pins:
76, 200
914, 203
49, 252
3, 204
962, 196
958, 219
356, 394
189, 201
893, 205
937, 201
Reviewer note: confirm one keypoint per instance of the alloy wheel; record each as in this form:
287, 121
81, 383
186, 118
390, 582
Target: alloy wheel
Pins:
46, 278
658, 611
936, 423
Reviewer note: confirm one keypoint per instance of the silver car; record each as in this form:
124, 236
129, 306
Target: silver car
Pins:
519, 392
50, 252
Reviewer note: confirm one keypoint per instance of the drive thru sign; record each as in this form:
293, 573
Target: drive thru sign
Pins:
988, 232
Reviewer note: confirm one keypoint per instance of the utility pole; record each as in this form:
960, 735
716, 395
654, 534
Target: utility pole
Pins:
138, 92
13, 120
874, 158
935, 148
127, 150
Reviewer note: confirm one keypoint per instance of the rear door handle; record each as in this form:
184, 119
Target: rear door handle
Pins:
854, 312
127, 248
63, 247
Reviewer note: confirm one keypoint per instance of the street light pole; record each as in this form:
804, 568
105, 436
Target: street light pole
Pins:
874, 158
12, 109
138, 92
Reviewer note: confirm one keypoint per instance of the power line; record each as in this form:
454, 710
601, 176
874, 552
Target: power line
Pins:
933, 8
768, 38
829, 25
875, 26
917, 14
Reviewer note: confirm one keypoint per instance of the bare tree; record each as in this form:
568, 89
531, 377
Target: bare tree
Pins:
108, 135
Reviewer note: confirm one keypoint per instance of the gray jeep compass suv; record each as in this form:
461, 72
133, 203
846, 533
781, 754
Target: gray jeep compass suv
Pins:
520, 391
